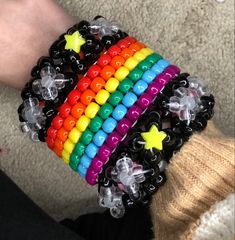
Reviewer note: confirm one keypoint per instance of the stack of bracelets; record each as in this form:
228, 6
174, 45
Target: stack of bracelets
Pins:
114, 110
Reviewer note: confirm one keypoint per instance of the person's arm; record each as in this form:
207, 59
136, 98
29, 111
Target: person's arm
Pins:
28, 28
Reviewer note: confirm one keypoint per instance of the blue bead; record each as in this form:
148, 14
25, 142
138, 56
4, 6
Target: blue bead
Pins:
99, 138
109, 125
157, 69
82, 170
129, 99
119, 112
148, 76
85, 161
140, 87
163, 63
91, 150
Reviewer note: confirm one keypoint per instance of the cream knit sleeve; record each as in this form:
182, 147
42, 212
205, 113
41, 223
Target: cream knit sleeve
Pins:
201, 174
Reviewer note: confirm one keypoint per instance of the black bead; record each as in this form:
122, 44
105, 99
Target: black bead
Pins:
42, 134
49, 112
118, 35
26, 93
79, 66
35, 72
90, 39
98, 48
108, 41
44, 62
19, 110
127, 202
97, 17
150, 188
71, 30
83, 25
89, 56
84, 32
57, 49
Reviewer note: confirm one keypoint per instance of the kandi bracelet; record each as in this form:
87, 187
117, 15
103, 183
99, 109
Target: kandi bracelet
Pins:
114, 110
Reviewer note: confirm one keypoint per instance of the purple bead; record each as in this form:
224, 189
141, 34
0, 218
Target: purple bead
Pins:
113, 140
134, 113
172, 71
91, 176
96, 164
104, 153
154, 88
163, 79
144, 101
123, 126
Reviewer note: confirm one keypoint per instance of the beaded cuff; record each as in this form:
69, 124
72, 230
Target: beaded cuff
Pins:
114, 110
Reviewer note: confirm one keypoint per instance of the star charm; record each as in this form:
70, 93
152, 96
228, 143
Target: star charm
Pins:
74, 41
153, 138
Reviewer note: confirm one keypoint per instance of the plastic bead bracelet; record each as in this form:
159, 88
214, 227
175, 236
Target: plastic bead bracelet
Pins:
114, 110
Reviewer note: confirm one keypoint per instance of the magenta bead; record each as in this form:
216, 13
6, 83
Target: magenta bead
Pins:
91, 176
172, 71
104, 153
123, 126
163, 79
96, 164
154, 88
134, 113
113, 140
144, 101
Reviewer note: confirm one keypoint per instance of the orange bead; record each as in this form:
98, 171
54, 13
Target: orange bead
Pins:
87, 97
62, 134
134, 47
59, 144
57, 151
77, 110
126, 53
107, 72
97, 84
117, 62
142, 45
69, 123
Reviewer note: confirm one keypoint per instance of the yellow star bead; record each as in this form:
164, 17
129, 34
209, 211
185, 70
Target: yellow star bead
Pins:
153, 138
74, 41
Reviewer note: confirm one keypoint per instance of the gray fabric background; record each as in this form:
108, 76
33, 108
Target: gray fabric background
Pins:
197, 35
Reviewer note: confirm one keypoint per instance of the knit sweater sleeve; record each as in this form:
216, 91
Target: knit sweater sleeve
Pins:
201, 174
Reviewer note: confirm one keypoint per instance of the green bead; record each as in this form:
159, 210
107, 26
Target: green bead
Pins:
87, 137
153, 58
96, 124
115, 98
145, 65
79, 149
74, 161
105, 111
125, 85
135, 74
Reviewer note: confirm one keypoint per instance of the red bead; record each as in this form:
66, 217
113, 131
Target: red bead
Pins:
87, 97
50, 142
104, 60
74, 96
107, 72
97, 84
114, 51
123, 44
93, 71
57, 122
65, 110
83, 84
51, 132
130, 40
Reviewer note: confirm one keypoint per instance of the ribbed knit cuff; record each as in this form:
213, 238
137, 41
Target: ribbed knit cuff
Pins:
201, 174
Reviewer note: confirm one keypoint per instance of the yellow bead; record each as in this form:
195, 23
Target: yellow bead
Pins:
83, 123
111, 85
91, 110
131, 63
121, 73
69, 146
65, 155
102, 96
139, 56
74, 135
146, 51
